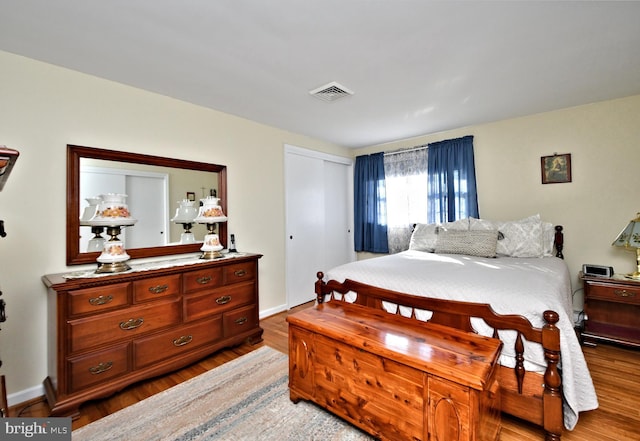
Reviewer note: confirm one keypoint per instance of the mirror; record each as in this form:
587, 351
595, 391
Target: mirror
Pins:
172, 180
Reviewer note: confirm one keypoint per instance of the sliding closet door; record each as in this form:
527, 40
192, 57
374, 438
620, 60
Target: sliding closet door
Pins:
319, 220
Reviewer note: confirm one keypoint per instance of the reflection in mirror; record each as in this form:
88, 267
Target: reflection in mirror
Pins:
154, 186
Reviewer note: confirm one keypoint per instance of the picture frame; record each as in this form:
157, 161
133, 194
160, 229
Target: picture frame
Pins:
556, 169
191, 195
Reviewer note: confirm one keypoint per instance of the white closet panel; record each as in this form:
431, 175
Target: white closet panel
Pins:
319, 207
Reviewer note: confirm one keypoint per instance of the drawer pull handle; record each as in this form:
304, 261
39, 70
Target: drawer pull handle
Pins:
203, 280
101, 367
624, 293
131, 324
223, 300
184, 340
100, 300
241, 321
240, 273
159, 289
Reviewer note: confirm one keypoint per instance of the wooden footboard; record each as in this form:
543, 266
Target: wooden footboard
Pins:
528, 395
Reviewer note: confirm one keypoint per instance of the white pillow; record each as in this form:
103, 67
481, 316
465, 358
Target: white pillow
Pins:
424, 236
548, 238
521, 238
480, 243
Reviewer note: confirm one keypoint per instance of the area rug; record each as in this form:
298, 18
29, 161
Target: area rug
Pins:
244, 399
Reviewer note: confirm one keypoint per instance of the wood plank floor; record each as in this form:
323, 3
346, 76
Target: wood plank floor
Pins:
614, 371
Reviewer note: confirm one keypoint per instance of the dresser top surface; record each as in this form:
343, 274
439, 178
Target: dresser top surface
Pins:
146, 269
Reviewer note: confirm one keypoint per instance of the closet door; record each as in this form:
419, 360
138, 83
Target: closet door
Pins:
318, 197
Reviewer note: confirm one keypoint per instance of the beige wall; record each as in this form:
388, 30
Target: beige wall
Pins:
604, 142
42, 109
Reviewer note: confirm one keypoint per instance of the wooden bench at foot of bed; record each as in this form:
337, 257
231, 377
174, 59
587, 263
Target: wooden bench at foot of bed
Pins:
394, 378
531, 396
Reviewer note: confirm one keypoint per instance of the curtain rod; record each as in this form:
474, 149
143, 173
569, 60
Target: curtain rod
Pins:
411, 149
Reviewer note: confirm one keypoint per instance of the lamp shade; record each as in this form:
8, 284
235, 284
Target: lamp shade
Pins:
630, 236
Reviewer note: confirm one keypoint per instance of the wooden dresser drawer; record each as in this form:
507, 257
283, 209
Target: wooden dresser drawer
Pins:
240, 320
199, 280
216, 302
98, 366
108, 332
117, 325
157, 287
239, 272
172, 343
98, 299
614, 292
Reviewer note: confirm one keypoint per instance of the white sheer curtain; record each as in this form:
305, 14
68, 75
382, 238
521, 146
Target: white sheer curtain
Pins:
406, 181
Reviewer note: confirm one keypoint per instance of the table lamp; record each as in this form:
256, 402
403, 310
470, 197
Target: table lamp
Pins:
211, 214
629, 238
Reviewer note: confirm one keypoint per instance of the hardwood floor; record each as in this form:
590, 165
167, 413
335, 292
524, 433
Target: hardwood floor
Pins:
614, 371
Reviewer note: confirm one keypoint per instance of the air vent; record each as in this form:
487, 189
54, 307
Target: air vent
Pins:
330, 92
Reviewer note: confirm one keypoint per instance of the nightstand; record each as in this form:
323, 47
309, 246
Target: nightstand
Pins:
612, 308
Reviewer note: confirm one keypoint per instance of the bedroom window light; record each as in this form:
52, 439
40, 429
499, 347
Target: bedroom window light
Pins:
406, 190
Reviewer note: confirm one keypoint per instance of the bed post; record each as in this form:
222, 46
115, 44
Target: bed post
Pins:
552, 395
558, 241
319, 285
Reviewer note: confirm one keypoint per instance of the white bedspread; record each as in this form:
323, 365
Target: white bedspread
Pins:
524, 286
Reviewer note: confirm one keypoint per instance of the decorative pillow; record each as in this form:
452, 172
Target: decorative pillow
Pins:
481, 243
548, 237
461, 224
424, 236
522, 238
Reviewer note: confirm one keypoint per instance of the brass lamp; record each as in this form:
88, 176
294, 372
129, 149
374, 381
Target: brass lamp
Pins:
629, 238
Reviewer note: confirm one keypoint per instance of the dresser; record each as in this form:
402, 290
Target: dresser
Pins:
612, 310
395, 378
106, 332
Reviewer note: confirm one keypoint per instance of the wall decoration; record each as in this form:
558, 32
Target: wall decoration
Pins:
191, 195
556, 169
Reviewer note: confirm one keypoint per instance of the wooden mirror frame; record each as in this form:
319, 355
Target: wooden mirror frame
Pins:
75, 153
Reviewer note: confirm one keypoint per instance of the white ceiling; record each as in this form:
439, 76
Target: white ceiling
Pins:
416, 67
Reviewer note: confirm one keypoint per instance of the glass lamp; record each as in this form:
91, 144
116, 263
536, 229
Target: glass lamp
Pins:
185, 215
629, 238
111, 212
211, 214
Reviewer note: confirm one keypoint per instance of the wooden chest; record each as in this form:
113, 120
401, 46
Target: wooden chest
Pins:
395, 378
108, 332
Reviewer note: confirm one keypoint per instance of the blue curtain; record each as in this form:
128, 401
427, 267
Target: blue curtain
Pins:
452, 191
370, 213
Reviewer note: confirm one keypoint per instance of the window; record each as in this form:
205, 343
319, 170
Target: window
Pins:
406, 182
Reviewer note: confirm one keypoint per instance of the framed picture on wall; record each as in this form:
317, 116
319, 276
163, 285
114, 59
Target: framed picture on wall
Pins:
556, 169
191, 196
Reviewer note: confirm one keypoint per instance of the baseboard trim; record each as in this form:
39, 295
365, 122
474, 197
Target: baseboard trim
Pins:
273, 311
25, 395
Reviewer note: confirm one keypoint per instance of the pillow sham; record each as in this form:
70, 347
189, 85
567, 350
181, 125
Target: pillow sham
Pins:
522, 238
480, 243
424, 236
548, 238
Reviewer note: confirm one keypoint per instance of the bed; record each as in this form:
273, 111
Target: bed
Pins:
499, 279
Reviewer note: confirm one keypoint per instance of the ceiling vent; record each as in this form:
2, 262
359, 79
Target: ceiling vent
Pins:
330, 92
